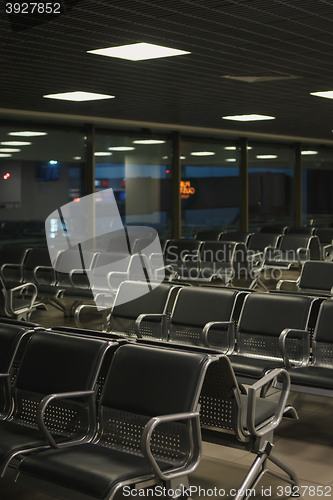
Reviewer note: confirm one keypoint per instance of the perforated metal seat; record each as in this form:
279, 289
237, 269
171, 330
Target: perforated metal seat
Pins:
65, 367
149, 429
317, 378
271, 329
205, 317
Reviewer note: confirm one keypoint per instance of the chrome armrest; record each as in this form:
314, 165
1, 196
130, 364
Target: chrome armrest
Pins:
44, 268
230, 332
84, 272
306, 251
194, 455
90, 395
281, 282
13, 266
251, 403
305, 341
22, 287
140, 318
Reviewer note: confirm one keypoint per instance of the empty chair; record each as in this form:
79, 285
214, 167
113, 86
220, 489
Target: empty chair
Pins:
232, 419
60, 372
179, 254
316, 278
293, 251
11, 264
204, 316
301, 230
146, 390
265, 321
209, 235
325, 235
141, 312
21, 301
258, 246
317, 377
239, 236
220, 260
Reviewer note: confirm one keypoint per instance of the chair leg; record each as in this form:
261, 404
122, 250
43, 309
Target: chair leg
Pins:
57, 305
259, 468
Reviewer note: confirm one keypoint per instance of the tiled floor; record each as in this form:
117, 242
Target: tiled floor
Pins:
306, 445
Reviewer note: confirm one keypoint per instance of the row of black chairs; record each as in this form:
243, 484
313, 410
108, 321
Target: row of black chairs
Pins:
90, 414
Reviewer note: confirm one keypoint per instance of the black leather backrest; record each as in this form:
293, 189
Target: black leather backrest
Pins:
10, 336
217, 251
54, 362
242, 237
151, 381
198, 306
209, 235
259, 241
269, 314
177, 249
300, 230
153, 302
293, 242
325, 235
317, 275
12, 255
324, 327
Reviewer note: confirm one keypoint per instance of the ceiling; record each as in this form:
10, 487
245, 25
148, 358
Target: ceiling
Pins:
242, 38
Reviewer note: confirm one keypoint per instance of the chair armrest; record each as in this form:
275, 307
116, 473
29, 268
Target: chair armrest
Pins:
230, 333
306, 345
76, 271
44, 268
140, 318
194, 455
22, 287
251, 403
90, 395
12, 266
281, 282
275, 251
302, 250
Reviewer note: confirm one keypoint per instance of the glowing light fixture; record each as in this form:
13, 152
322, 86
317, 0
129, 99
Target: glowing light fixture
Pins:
27, 133
121, 148
103, 153
309, 152
138, 51
9, 150
149, 141
328, 94
15, 143
266, 157
202, 153
78, 96
248, 118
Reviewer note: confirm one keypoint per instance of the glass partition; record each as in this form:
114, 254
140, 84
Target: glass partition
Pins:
271, 185
41, 169
317, 185
210, 186
138, 169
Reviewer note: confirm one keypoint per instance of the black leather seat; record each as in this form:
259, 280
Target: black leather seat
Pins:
165, 389
265, 320
52, 364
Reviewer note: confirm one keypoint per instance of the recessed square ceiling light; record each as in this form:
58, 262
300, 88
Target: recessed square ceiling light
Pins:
266, 157
248, 118
9, 150
328, 94
121, 148
138, 51
15, 143
309, 152
149, 141
79, 96
27, 133
202, 153
103, 153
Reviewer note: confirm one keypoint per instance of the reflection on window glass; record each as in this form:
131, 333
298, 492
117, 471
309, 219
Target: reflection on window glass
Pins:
41, 168
317, 185
209, 187
138, 169
271, 181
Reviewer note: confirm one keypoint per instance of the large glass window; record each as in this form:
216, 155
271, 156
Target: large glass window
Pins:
271, 185
209, 186
138, 169
41, 169
317, 185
